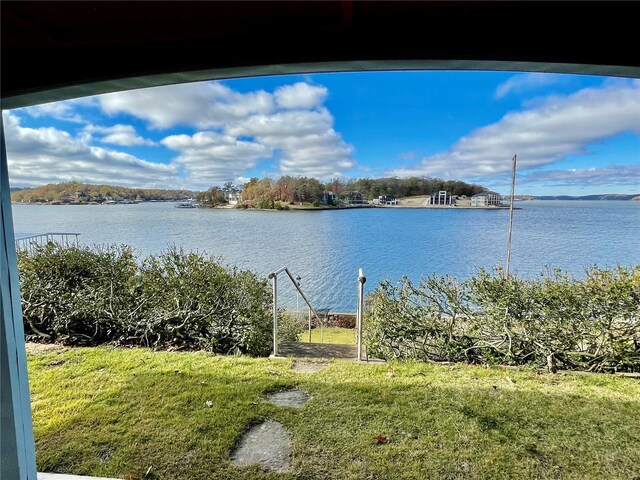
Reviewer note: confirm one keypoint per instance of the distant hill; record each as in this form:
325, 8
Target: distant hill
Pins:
80, 193
605, 196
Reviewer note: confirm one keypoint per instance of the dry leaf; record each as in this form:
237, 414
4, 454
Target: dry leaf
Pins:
380, 439
511, 380
391, 373
209, 403
381, 393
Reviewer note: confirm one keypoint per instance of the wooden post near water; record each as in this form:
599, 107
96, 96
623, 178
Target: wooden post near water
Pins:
513, 190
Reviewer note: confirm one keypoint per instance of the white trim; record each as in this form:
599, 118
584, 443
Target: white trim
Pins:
130, 83
19, 457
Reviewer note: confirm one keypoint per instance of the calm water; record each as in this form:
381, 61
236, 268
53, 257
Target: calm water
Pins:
326, 248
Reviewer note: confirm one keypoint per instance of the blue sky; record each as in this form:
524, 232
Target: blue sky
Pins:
573, 135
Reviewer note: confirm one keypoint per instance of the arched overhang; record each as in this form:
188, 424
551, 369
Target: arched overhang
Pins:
58, 50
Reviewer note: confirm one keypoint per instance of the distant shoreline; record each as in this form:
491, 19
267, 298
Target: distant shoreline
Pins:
351, 207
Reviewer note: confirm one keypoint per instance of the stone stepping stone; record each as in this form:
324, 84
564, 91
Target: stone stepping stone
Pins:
308, 367
267, 445
290, 398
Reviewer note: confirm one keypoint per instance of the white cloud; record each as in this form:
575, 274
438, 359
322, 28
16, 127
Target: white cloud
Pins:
555, 129
119, 134
300, 95
306, 141
289, 126
203, 105
523, 82
211, 158
290, 121
65, 110
48, 155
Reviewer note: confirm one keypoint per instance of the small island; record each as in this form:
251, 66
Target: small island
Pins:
308, 193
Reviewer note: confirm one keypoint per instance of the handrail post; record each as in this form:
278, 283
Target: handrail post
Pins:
274, 280
361, 281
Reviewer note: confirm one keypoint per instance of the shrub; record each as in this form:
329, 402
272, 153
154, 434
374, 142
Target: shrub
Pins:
81, 295
264, 204
193, 301
589, 324
76, 295
424, 322
289, 327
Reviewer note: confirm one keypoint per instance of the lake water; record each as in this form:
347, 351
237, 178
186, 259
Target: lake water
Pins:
326, 248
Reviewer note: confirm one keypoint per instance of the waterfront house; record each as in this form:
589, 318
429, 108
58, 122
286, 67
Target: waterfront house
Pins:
354, 198
329, 198
486, 199
387, 200
233, 197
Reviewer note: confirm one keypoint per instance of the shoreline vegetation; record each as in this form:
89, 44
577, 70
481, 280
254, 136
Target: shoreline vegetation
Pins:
289, 193
177, 300
76, 193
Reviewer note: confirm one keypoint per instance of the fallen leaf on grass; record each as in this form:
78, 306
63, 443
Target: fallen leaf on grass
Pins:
380, 439
511, 380
209, 403
391, 373
381, 393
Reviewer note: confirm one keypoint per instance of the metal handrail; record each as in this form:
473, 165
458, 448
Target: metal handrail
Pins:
359, 313
39, 238
273, 276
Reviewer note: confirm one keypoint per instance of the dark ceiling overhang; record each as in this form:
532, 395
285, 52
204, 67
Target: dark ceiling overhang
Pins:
57, 50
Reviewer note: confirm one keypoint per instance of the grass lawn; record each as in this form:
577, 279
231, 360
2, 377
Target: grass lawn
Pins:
118, 412
330, 335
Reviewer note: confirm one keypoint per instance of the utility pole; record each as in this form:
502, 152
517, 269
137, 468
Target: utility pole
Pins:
513, 190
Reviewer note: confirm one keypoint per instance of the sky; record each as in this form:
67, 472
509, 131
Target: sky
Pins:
573, 135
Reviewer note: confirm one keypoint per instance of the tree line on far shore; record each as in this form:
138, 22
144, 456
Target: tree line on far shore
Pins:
256, 193
76, 192
278, 193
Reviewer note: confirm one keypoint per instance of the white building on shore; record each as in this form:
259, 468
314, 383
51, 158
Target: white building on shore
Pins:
441, 198
486, 199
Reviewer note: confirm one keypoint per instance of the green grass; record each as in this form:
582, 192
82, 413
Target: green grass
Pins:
330, 335
118, 412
